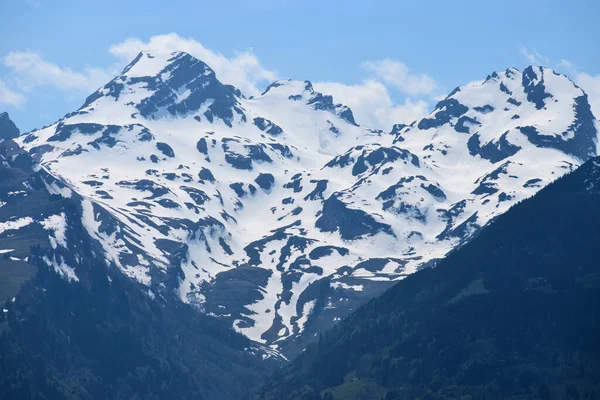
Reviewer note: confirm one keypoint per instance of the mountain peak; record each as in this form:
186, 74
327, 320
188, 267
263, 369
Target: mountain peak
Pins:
154, 62
291, 87
8, 129
297, 90
537, 105
158, 83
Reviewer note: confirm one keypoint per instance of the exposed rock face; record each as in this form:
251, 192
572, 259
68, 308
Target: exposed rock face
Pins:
8, 129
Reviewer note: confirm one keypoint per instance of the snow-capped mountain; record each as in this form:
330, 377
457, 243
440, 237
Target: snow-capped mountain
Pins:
280, 213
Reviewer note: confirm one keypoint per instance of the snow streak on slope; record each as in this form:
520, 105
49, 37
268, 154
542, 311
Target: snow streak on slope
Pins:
281, 213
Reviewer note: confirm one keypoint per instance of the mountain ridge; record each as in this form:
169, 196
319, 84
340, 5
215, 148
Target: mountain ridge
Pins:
285, 194
509, 314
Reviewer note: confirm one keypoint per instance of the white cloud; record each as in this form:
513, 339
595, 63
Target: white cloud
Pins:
591, 85
372, 104
243, 70
409, 111
397, 74
371, 101
10, 97
565, 64
534, 57
31, 70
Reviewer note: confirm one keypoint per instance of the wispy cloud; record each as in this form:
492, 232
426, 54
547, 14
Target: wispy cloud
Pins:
565, 65
534, 57
372, 101
31, 70
10, 97
591, 85
398, 75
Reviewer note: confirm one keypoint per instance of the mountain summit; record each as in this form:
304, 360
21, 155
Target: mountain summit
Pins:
159, 84
8, 129
280, 214
538, 104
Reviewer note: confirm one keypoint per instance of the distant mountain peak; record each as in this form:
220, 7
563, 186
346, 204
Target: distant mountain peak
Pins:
517, 104
152, 63
158, 84
296, 90
291, 87
8, 129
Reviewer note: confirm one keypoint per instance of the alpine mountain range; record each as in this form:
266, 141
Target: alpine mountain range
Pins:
278, 214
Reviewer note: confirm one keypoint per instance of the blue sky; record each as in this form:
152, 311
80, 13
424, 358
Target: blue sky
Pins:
389, 60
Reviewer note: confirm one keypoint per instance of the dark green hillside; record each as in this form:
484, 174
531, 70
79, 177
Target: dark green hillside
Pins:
105, 336
514, 314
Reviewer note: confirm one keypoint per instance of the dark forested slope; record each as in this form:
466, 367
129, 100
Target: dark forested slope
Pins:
98, 334
513, 314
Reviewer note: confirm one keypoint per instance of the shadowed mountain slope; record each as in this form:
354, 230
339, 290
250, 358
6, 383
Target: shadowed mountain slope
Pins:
514, 313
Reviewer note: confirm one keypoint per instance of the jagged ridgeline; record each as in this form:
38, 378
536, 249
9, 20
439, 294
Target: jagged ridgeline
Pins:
513, 314
280, 214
